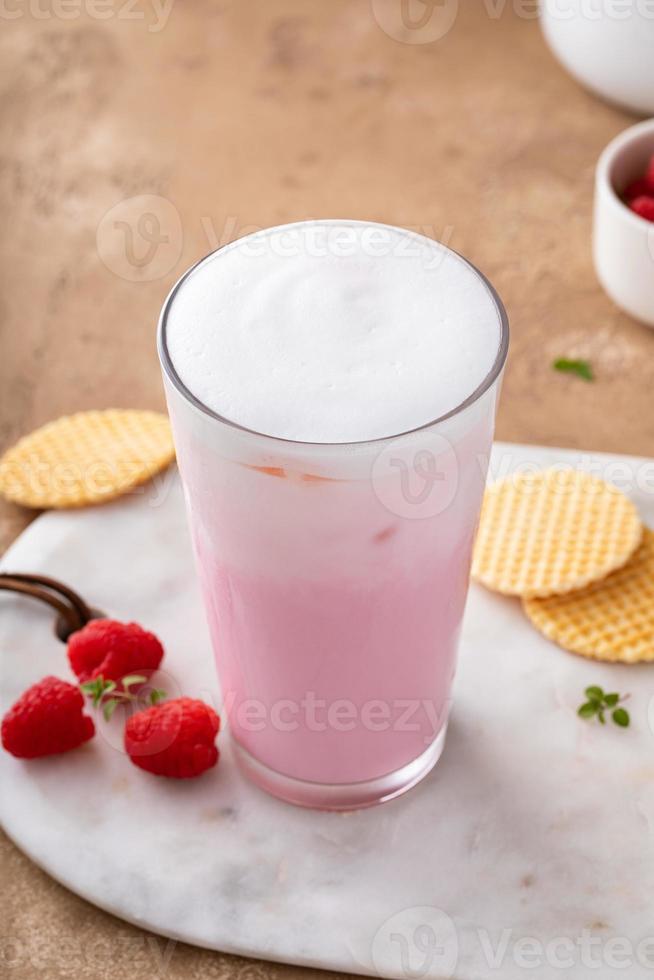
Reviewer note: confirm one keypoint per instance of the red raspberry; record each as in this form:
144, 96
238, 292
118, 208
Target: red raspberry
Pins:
643, 206
45, 720
638, 188
174, 739
110, 649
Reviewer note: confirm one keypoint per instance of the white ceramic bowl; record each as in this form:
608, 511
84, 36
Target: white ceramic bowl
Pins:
623, 243
608, 45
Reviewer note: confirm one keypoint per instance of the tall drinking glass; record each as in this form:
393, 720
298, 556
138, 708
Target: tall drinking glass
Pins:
334, 578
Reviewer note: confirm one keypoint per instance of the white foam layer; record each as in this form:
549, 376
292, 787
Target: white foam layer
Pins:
333, 331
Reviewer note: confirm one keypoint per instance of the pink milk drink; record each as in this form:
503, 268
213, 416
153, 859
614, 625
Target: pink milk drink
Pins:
332, 387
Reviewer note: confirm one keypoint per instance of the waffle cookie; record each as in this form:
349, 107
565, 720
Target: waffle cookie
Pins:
86, 458
609, 620
550, 532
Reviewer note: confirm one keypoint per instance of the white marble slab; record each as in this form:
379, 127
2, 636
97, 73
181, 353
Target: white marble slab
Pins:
534, 829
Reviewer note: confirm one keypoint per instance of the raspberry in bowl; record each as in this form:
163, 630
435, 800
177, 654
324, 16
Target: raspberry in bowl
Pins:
623, 230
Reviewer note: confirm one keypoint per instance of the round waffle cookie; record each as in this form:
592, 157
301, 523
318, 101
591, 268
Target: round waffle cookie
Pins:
551, 532
609, 620
86, 458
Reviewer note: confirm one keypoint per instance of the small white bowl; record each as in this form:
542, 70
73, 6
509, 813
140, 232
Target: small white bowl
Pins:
623, 242
608, 45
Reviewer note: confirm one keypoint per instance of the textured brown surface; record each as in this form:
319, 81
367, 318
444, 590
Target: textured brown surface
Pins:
255, 112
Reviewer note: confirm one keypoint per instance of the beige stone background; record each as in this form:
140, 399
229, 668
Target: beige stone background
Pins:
245, 113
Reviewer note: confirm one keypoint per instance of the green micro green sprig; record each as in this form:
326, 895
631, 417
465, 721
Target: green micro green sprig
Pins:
99, 690
598, 703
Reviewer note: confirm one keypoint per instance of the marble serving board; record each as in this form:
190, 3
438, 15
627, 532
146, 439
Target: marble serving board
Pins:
528, 849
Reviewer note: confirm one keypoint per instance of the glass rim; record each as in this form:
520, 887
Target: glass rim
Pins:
481, 389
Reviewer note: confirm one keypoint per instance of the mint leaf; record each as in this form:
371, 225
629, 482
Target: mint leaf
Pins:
599, 703
156, 696
621, 717
581, 368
